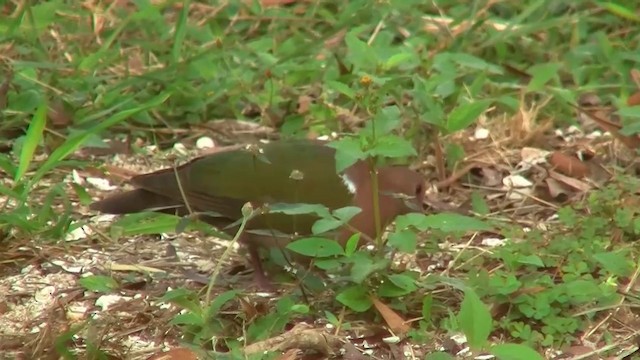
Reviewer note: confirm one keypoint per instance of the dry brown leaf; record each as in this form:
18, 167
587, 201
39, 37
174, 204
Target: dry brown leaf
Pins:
572, 182
634, 99
175, 354
4, 89
568, 165
290, 354
578, 350
301, 336
58, 116
394, 321
272, 3
557, 189
304, 102
249, 310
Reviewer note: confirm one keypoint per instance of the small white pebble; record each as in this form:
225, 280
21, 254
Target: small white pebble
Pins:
391, 339
485, 357
520, 194
459, 338
76, 312
76, 177
481, 133
78, 233
516, 181
180, 148
594, 135
101, 184
493, 242
205, 142
106, 301
574, 130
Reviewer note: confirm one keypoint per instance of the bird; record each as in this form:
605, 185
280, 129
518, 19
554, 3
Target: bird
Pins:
217, 186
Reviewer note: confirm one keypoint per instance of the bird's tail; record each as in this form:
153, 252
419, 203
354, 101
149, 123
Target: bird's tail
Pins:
136, 201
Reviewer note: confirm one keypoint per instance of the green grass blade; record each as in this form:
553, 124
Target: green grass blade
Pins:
32, 140
74, 142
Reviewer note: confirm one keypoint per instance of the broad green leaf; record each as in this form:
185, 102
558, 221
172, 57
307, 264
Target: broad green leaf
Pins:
447, 222
219, 301
515, 352
475, 320
322, 226
355, 297
316, 247
616, 262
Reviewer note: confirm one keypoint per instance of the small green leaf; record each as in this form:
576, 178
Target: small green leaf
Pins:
466, 114
188, 318
515, 352
392, 146
98, 283
356, 298
146, 223
316, 247
541, 74
341, 88
352, 245
300, 308
298, 209
475, 320
364, 266
347, 213
534, 260
398, 59
403, 240
360, 53
441, 355
327, 264
478, 203
322, 226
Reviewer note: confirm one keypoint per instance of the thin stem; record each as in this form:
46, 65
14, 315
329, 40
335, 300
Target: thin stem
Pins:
225, 255
376, 203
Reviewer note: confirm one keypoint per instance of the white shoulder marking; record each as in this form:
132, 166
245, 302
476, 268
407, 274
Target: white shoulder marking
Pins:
351, 186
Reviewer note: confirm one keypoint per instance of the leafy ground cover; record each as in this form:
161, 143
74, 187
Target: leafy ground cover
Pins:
520, 115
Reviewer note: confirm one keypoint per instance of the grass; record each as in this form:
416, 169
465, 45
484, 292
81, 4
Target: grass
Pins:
97, 83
